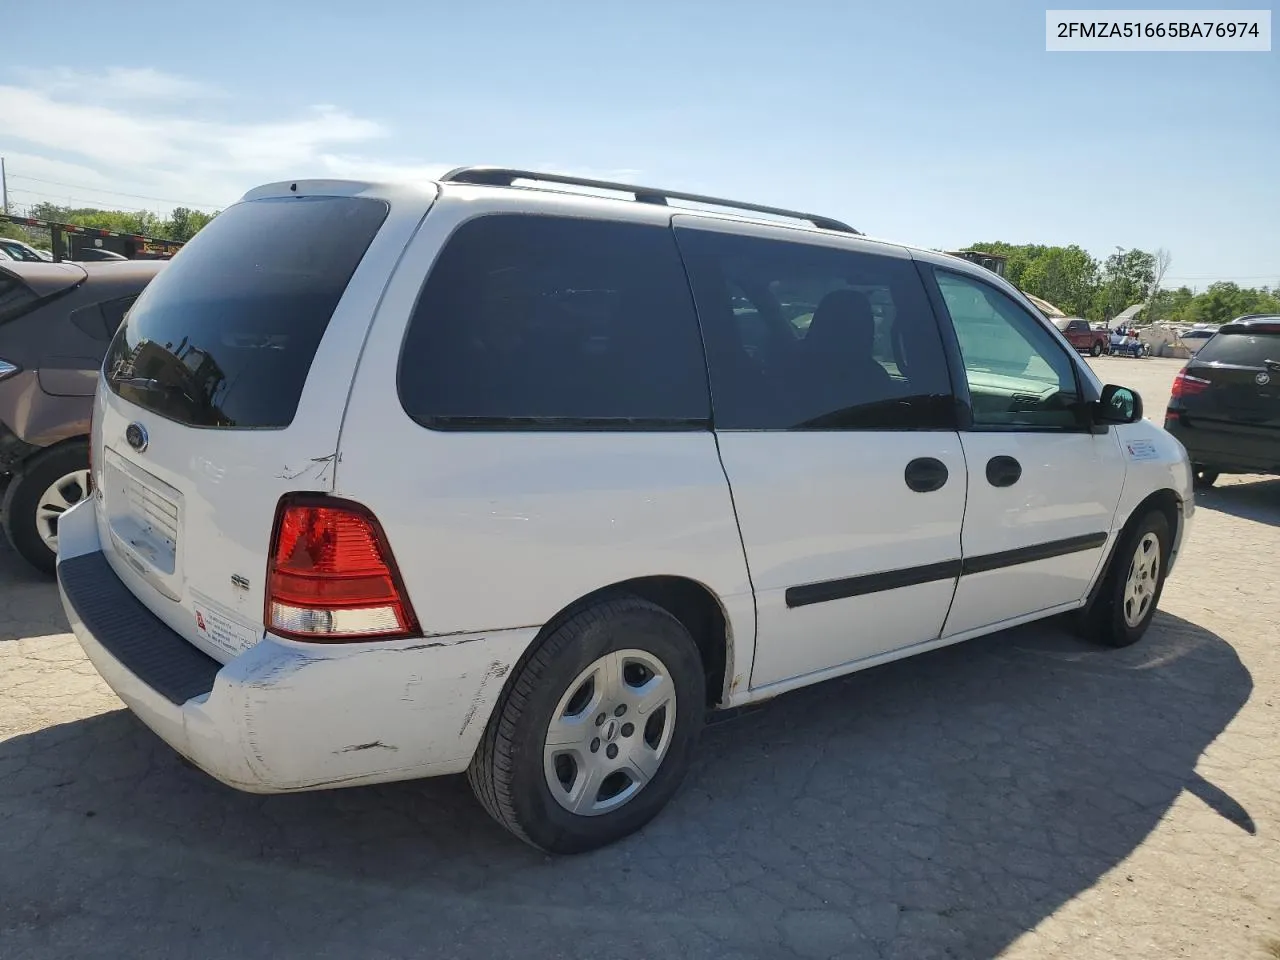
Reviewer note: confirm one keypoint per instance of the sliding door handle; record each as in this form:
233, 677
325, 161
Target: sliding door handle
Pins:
1003, 471
926, 474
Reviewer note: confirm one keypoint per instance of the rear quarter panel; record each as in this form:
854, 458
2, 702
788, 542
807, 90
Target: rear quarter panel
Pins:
499, 530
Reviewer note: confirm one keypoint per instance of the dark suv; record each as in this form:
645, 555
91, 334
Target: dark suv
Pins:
56, 320
1225, 403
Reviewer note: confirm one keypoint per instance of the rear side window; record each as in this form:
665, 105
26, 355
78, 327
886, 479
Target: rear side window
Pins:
15, 296
539, 322
807, 337
225, 335
1245, 349
101, 320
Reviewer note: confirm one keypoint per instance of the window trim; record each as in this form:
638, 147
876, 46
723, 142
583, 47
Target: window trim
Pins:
1069, 353
515, 425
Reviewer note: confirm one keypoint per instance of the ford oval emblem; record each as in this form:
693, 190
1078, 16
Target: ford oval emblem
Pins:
136, 435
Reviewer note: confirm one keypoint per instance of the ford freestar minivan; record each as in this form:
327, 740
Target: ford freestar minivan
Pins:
491, 476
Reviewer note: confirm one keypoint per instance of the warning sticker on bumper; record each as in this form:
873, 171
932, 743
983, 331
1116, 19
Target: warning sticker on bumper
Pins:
222, 631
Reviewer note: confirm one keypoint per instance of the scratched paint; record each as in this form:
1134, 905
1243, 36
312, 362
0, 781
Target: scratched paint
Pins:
375, 745
495, 671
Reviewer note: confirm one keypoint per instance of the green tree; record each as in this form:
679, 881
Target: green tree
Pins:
119, 221
184, 223
1127, 277
1172, 305
1065, 276
1020, 257
1226, 300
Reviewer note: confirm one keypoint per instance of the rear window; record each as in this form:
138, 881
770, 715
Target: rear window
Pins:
225, 335
101, 320
15, 296
539, 322
1246, 349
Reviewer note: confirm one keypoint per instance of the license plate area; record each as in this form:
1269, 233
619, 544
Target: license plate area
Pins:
144, 515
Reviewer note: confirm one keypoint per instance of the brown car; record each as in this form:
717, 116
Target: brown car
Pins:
56, 320
1083, 337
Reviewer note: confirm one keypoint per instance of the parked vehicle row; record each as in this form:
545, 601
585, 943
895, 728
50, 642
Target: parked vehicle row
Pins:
11, 249
499, 479
55, 322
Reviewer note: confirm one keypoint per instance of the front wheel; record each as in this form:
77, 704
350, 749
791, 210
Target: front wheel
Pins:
1134, 581
594, 734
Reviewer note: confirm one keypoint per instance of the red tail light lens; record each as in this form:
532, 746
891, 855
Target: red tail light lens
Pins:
331, 575
1186, 385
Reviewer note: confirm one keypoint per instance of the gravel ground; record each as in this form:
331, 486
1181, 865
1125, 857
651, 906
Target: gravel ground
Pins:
1022, 795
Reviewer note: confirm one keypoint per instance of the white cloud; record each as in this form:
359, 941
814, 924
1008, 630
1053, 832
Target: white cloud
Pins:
365, 168
118, 83
145, 133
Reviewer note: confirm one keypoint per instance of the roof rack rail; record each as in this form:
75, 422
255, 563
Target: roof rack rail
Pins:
505, 177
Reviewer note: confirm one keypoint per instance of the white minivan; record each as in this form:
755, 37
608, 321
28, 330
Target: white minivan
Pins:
520, 475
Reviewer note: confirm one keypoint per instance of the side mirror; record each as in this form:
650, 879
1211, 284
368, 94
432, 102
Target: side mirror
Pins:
1117, 405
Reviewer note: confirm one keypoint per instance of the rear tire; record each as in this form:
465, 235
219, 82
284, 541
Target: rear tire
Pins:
1204, 477
1096, 349
1134, 582
33, 500
568, 722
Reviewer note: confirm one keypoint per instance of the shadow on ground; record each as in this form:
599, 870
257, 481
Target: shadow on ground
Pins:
29, 605
1257, 500
939, 806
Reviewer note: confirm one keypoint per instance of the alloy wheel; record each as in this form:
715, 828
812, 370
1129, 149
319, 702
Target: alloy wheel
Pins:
1144, 575
59, 497
610, 732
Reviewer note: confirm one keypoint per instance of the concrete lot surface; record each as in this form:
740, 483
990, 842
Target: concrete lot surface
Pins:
1023, 795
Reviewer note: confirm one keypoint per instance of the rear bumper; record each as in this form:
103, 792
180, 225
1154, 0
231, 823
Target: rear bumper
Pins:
285, 716
1238, 450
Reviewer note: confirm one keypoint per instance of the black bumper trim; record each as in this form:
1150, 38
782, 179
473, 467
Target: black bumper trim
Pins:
131, 633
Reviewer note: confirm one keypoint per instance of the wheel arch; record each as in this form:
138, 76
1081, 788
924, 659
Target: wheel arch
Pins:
693, 603
69, 441
1165, 500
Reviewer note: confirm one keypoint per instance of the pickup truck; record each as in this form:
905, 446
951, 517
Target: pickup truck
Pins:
1083, 337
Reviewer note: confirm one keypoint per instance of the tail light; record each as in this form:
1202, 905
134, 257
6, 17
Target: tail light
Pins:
331, 576
1186, 385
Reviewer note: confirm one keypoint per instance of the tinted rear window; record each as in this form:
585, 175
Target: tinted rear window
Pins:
225, 335
1249, 349
531, 322
101, 320
15, 296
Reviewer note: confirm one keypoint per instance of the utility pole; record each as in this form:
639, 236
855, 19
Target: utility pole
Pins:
4, 188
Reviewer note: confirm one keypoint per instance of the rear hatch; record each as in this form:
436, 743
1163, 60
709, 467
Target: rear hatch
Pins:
224, 389
1237, 380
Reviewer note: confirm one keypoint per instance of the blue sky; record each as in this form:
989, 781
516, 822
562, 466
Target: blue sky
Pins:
934, 123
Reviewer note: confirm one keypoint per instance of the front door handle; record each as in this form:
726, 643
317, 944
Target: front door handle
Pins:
926, 474
1003, 471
